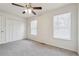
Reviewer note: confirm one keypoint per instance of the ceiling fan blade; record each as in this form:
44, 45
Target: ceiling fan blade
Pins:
37, 7
23, 12
33, 12
17, 5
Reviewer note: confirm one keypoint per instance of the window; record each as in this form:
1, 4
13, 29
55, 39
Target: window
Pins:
62, 26
34, 27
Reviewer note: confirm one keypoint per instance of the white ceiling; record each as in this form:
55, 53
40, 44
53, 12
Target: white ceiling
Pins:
8, 7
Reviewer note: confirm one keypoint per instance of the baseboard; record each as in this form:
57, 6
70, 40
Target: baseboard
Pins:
51, 45
9, 41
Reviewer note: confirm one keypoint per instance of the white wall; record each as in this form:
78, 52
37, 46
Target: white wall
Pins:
45, 28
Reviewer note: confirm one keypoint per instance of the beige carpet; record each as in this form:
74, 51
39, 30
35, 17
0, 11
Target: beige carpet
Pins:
32, 48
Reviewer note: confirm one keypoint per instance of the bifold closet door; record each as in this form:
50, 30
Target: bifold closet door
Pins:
9, 29
2, 29
18, 30
14, 29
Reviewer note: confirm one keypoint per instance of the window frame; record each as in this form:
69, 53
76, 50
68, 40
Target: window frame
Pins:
32, 28
70, 24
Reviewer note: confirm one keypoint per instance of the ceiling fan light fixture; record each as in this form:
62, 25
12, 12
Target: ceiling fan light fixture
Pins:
30, 11
26, 10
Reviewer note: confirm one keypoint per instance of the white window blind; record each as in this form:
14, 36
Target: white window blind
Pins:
62, 26
34, 27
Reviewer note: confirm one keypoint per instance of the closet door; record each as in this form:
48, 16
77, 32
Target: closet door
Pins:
18, 30
3, 29
14, 29
9, 29
21, 28
0, 28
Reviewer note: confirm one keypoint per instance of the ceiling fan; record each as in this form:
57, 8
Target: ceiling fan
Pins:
28, 8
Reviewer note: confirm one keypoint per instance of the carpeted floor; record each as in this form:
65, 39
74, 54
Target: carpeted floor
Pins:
32, 48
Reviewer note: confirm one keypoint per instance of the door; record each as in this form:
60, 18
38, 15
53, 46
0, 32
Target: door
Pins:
18, 30
14, 29
2, 29
9, 29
